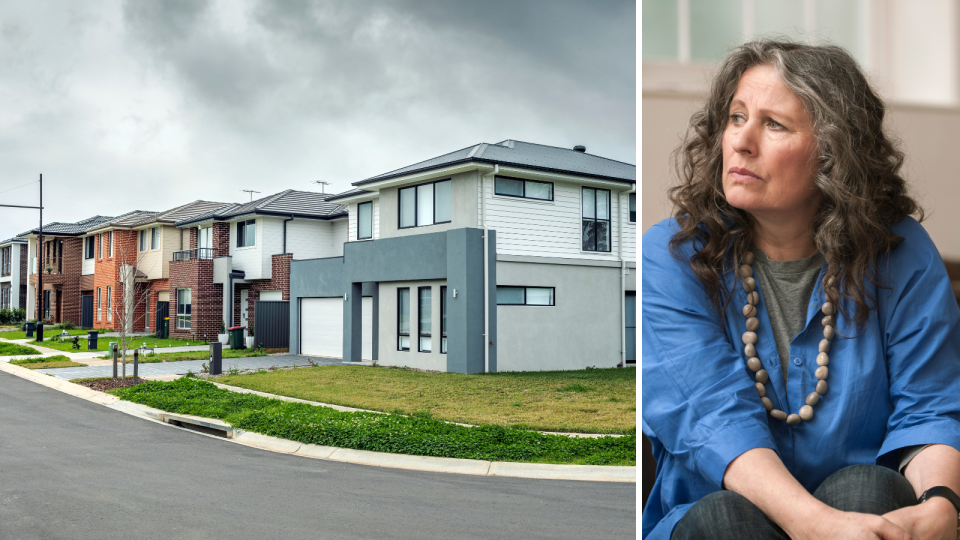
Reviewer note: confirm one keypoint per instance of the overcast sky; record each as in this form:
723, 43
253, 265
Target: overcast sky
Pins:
150, 104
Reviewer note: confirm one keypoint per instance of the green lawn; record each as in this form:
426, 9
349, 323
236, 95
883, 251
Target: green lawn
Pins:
132, 343
47, 332
419, 434
49, 362
584, 401
13, 349
151, 358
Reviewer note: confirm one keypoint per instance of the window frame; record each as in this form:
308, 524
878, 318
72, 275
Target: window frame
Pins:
631, 207
595, 219
110, 243
143, 240
524, 181
89, 249
553, 295
420, 321
242, 233
443, 319
184, 317
416, 204
154, 238
400, 332
371, 220
109, 303
99, 304
100, 246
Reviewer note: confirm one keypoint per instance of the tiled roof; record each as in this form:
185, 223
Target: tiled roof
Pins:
285, 203
13, 240
527, 155
72, 229
348, 193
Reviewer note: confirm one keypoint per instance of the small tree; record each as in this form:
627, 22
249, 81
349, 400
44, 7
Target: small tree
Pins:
129, 294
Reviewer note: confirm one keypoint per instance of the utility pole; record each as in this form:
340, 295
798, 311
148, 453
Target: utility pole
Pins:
39, 251
322, 185
251, 192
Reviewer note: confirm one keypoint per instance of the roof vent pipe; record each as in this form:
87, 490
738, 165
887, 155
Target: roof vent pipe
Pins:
580, 148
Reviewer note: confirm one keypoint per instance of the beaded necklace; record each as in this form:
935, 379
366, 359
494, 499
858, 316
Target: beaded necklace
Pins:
750, 339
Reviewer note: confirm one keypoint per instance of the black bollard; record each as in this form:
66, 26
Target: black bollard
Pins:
114, 361
136, 362
216, 358
39, 331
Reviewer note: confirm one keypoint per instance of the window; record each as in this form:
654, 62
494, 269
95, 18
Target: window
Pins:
525, 296
111, 243
143, 240
99, 306
365, 220
7, 256
403, 319
5, 298
425, 312
154, 237
109, 299
527, 189
88, 245
46, 304
443, 320
426, 204
183, 308
247, 233
633, 208
596, 219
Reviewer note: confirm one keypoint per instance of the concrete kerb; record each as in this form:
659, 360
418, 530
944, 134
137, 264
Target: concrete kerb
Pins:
594, 473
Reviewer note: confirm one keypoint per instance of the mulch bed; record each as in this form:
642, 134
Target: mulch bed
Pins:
109, 384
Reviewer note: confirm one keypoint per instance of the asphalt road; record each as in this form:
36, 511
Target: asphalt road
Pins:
73, 469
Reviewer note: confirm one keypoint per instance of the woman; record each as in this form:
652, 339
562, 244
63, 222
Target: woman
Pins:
801, 342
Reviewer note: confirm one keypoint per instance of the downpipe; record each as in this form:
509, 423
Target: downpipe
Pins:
486, 269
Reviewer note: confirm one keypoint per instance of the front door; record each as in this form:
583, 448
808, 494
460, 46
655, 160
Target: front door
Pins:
244, 307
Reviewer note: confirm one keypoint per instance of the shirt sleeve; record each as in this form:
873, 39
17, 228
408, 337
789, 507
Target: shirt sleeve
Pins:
921, 331
698, 399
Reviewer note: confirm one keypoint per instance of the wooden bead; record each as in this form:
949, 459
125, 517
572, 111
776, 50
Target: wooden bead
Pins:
828, 308
762, 376
749, 310
753, 323
767, 404
778, 414
745, 271
824, 345
754, 364
749, 284
749, 337
822, 387
823, 359
753, 298
749, 350
806, 412
813, 399
827, 321
831, 281
793, 419
761, 389
821, 372
828, 332
748, 258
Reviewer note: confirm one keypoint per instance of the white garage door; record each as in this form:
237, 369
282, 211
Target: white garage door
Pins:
321, 327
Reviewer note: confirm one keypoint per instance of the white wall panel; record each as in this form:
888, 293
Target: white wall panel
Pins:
247, 259
270, 240
340, 235
88, 265
309, 239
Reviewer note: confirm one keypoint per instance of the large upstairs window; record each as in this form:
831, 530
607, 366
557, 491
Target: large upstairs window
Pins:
88, 247
365, 220
526, 189
596, 219
247, 233
425, 204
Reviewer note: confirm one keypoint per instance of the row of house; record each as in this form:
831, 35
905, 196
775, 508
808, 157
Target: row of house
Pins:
497, 257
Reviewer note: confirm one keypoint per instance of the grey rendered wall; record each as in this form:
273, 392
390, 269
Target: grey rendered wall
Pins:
463, 210
309, 279
581, 330
389, 354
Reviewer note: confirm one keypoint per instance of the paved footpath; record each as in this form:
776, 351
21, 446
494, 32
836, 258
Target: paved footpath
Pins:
181, 368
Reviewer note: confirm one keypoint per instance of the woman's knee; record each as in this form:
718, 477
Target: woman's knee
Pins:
724, 515
868, 489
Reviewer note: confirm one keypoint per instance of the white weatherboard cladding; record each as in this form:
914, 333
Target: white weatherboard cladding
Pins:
353, 221
169, 242
321, 327
547, 228
310, 239
248, 259
271, 296
88, 265
340, 231
150, 262
270, 242
629, 229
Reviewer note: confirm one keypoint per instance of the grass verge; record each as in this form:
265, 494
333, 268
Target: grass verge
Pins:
584, 401
14, 349
151, 358
132, 343
419, 435
47, 332
48, 362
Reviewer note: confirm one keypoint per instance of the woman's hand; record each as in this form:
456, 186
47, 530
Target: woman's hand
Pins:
832, 524
935, 519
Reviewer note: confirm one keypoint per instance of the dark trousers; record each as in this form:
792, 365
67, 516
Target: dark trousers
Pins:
723, 515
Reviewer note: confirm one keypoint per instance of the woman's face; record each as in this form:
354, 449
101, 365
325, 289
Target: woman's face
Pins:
769, 151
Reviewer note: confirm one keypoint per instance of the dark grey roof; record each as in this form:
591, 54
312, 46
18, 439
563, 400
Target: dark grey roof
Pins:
348, 193
70, 229
129, 220
286, 203
526, 155
13, 240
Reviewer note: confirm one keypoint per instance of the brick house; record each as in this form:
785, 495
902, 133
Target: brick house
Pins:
241, 253
138, 247
13, 273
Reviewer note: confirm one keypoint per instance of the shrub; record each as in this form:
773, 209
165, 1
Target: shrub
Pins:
12, 316
65, 325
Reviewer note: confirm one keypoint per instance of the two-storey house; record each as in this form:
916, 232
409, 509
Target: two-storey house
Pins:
132, 270
241, 253
13, 273
497, 257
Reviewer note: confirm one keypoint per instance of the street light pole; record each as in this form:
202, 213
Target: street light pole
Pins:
39, 251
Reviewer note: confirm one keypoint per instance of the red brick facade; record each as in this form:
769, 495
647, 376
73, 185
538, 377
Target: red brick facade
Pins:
206, 299
64, 286
280, 280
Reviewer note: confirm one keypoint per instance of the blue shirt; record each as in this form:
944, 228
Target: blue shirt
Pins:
894, 384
